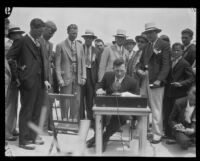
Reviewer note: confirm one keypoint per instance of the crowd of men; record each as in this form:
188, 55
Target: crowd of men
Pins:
163, 72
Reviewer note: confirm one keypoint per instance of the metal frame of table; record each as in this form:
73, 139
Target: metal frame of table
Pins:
143, 113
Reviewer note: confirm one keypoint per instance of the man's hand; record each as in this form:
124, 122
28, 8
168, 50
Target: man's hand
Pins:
157, 83
61, 83
47, 84
18, 82
83, 81
189, 131
141, 72
179, 127
176, 84
100, 91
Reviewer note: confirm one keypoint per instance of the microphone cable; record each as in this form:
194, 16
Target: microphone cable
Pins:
121, 140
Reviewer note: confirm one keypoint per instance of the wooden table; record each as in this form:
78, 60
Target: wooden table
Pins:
141, 112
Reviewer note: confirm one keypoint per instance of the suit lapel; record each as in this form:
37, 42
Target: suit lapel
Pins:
31, 46
177, 66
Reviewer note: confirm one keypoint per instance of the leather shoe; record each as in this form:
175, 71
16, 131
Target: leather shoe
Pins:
38, 142
91, 143
153, 141
15, 133
11, 138
26, 146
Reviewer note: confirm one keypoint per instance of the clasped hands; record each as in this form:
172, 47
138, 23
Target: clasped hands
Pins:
100, 91
181, 128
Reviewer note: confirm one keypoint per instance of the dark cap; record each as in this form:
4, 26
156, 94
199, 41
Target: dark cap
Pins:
128, 41
189, 31
165, 38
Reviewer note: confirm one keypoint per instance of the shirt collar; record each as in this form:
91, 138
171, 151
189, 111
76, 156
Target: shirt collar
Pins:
119, 48
70, 42
120, 80
186, 47
32, 38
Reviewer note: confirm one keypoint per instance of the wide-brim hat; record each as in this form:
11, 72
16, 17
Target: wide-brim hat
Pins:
151, 27
129, 41
89, 33
120, 33
13, 30
142, 36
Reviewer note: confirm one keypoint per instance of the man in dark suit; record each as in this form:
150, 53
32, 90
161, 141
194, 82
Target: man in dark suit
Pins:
14, 34
27, 53
189, 48
182, 119
156, 56
88, 90
179, 80
99, 46
47, 53
114, 82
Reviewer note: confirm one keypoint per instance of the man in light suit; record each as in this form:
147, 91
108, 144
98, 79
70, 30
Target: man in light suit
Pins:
113, 52
71, 72
156, 56
189, 48
88, 90
47, 53
27, 52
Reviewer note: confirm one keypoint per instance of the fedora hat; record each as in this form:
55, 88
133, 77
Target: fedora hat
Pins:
14, 30
89, 33
143, 36
120, 33
151, 26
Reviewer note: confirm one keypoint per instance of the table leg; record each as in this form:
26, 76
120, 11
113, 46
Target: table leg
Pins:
98, 134
143, 135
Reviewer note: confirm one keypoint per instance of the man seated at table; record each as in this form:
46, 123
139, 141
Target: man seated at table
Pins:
182, 119
114, 82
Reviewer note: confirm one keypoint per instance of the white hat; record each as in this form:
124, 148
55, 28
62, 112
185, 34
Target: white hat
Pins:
120, 33
89, 33
151, 26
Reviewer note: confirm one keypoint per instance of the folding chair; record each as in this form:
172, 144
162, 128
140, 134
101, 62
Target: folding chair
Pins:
60, 125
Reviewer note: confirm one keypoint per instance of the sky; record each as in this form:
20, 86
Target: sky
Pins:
104, 22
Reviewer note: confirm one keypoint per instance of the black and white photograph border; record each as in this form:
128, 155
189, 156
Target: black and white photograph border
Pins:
104, 22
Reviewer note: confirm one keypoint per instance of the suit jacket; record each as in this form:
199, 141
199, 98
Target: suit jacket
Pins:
28, 55
190, 54
7, 77
178, 114
182, 73
64, 62
129, 84
158, 64
94, 65
109, 55
47, 57
98, 55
